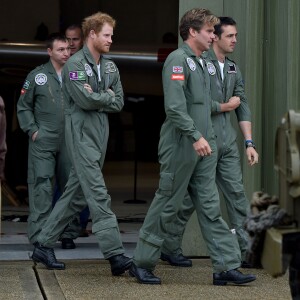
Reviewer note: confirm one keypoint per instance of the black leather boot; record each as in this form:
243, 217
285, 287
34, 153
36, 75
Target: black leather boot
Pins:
67, 243
143, 275
246, 265
232, 276
119, 264
46, 256
176, 260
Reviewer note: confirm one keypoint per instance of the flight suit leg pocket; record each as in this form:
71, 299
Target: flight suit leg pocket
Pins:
166, 183
30, 175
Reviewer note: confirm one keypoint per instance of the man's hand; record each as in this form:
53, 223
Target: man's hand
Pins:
252, 156
202, 147
88, 87
33, 137
111, 92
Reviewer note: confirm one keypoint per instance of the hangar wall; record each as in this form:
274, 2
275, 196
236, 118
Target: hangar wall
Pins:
268, 55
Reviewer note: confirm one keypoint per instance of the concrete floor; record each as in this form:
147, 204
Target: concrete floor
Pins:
88, 276
91, 279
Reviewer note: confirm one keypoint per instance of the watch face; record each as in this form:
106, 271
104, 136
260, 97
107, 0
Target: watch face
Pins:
249, 144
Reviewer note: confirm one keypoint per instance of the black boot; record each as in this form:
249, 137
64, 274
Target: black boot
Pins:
232, 276
246, 265
119, 264
67, 243
143, 275
176, 260
46, 256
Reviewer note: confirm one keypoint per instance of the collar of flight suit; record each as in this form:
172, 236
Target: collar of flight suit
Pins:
187, 49
50, 70
210, 54
89, 56
92, 62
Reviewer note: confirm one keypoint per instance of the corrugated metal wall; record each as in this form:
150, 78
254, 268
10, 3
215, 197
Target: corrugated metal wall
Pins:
268, 54
281, 90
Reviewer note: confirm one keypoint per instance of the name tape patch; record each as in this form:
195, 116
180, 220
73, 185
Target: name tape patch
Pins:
177, 77
77, 75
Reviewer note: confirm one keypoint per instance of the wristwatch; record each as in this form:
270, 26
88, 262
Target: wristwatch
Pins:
249, 143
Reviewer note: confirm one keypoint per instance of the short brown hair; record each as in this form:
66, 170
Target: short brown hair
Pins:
55, 36
196, 18
95, 22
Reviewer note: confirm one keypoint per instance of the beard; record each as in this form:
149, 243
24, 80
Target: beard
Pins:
102, 48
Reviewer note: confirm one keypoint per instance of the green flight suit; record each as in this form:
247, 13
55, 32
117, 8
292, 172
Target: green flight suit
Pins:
87, 131
188, 108
228, 172
41, 108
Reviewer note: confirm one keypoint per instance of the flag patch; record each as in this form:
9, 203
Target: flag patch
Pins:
177, 69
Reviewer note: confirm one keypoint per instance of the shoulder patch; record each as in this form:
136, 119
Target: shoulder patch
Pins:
232, 68
40, 78
88, 70
191, 64
110, 67
77, 75
177, 77
211, 68
26, 85
177, 69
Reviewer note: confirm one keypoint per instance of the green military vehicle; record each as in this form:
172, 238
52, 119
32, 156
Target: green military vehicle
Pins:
281, 247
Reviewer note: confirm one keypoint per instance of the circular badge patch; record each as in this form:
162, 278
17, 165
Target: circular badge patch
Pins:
211, 68
191, 64
88, 70
40, 78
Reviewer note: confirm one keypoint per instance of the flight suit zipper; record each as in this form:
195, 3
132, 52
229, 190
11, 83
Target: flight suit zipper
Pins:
206, 103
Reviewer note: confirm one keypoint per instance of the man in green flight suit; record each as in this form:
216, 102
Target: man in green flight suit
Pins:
188, 156
92, 89
40, 112
227, 91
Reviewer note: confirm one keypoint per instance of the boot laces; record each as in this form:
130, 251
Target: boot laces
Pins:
51, 255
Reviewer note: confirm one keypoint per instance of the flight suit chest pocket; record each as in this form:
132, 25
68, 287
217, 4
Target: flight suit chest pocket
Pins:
230, 83
93, 82
197, 87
